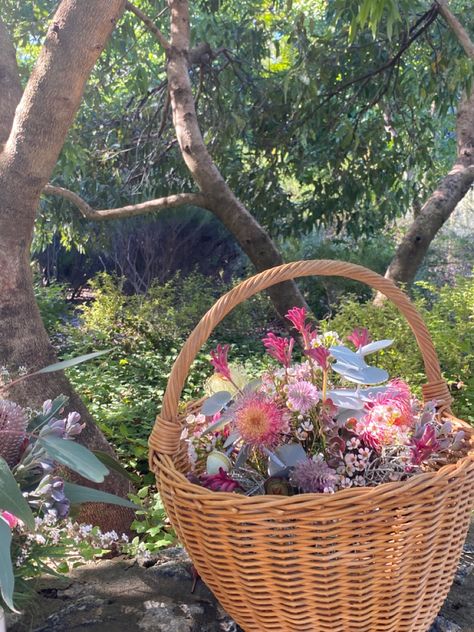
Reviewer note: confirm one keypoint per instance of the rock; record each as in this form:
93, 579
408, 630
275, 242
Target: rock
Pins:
88, 610
166, 617
466, 565
443, 625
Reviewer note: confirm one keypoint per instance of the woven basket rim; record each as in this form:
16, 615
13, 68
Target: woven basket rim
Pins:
366, 493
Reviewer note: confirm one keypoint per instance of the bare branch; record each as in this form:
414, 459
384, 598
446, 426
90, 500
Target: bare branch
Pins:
148, 22
10, 86
457, 28
132, 210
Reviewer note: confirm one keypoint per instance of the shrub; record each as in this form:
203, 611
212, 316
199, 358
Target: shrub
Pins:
449, 315
146, 333
52, 304
324, 293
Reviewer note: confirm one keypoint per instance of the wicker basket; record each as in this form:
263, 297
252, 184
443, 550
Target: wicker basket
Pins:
377, 559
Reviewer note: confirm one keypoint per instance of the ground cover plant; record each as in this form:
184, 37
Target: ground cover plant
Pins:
124, 389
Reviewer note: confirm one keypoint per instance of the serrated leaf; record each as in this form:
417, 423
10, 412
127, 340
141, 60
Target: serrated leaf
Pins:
7, 579
215, 403
11, 498
66, 364
76, 457
372, 347
78, 494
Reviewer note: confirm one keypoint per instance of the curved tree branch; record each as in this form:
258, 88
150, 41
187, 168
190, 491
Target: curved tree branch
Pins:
10, 86
253, 239
456, 27
439, 206
151, 26
132, 210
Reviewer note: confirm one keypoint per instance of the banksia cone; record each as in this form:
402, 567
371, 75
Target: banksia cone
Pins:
13, 424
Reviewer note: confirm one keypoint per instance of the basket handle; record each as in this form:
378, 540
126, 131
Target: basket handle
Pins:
166, 433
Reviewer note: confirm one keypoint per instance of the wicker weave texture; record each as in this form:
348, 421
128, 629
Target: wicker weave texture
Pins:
376, 559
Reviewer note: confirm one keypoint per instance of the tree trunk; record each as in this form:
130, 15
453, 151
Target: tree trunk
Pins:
220, 200
45, 112
440, 205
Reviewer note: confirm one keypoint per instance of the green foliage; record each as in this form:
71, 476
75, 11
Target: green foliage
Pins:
152, 526
449, 315
146, 332
324, 293
52, 303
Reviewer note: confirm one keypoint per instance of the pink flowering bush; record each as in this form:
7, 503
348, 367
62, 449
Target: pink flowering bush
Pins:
323, 419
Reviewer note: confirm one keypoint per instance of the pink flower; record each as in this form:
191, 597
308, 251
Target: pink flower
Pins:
279, 348
302, 396
220, 482
10, 519
320, 355
297, 317
260, 421
359, 337
423, 447
393, 406
375, 431
219, 361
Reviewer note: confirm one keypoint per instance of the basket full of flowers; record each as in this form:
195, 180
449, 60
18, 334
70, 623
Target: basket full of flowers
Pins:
321, 495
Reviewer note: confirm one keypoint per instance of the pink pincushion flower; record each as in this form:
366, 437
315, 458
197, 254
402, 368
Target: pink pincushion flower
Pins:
260, 421
320, 355
10, 519
359, 337
219, 361
279, 348
301, 396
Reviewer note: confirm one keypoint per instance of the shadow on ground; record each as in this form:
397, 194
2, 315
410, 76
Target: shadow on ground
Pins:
120, 594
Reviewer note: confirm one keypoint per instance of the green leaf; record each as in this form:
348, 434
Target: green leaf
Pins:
78, 494
7, 579
114, 465
76, 457
11, 498
66, 364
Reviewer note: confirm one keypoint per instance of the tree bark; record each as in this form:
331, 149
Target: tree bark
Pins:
254, 240
75, 39
440, 205
10, 93
450, 190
